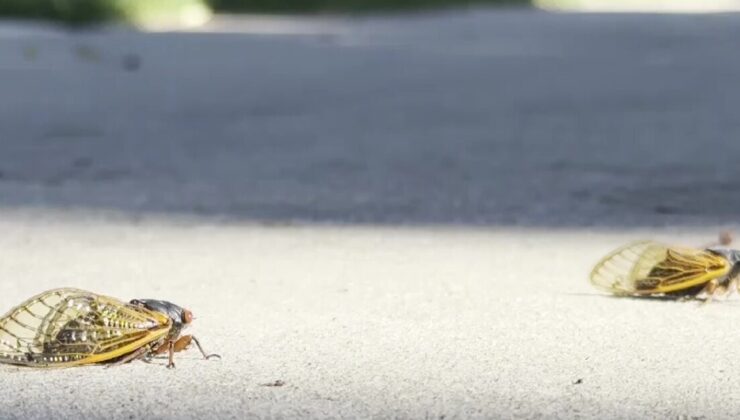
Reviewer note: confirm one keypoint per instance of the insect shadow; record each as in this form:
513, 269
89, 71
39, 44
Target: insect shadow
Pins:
659, 298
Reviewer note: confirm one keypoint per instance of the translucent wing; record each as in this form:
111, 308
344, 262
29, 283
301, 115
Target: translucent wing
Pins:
644, 268
66, 327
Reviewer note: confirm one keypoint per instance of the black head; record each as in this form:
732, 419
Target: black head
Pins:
180, 316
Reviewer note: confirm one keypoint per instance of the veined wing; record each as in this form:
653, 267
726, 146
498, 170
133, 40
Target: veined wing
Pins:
66, 327
647, 267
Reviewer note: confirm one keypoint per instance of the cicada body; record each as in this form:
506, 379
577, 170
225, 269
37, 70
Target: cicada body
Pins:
650, 268
71, 327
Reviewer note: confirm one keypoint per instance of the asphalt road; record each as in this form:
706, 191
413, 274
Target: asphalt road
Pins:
475, 117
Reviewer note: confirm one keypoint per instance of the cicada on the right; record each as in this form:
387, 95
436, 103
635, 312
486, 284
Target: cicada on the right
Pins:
649, 268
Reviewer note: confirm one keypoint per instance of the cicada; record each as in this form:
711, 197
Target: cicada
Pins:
72, 327
649, 268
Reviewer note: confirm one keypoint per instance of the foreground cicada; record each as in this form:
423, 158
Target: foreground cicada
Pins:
648, 268
71, 327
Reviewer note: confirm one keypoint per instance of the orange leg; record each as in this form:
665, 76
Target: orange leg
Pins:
182, 343
710, 289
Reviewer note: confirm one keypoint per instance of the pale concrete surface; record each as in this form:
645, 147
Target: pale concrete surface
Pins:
402, 323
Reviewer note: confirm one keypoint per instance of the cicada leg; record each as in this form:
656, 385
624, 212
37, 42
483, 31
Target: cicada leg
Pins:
714, 288
732, 285
169, 347
719, 291
138, 354
182, 343
197, 343
171, 350
709, 290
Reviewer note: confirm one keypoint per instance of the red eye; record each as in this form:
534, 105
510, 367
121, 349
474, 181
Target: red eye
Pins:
187, 316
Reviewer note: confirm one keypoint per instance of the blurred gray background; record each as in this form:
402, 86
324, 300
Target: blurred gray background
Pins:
476, 116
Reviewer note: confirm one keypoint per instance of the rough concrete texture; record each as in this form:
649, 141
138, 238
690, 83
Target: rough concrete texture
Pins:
373, 323
467, 169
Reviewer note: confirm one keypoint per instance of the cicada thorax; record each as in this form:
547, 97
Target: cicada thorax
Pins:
178, 316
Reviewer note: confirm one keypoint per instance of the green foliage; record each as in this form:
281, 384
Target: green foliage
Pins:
71, 11
92, 11
341, 5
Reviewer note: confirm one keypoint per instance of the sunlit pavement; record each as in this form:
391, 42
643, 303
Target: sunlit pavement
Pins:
394, 216
372, 322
